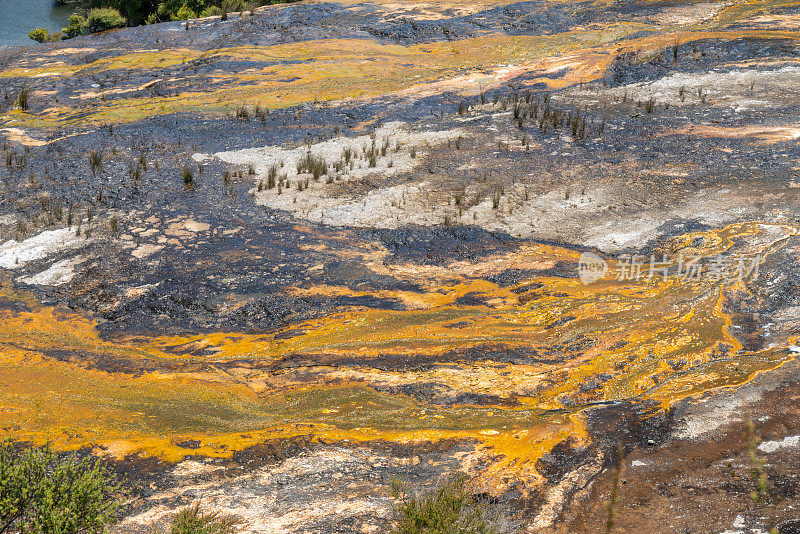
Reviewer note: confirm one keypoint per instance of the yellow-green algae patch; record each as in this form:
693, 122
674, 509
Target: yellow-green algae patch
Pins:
357, 69
148, 395
322, 70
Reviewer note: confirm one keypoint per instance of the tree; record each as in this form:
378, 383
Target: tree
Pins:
75, 25
40, 35
184, 13
135, 11
102, 19
41, 493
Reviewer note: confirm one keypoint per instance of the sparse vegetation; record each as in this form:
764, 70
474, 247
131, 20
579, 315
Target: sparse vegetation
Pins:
449, 509
22, 229
760, 493
243, 113
261, 113
192, 520
95, 161
314, 165
188, 176
22, 101
616, 475
496, 196
41, 492
272, 175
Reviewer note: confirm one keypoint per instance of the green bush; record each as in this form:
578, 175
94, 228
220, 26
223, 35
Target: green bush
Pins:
184, 13
449, 509
41, 493
211, 11
180, 9
41, 35
191, 520
136, 12
102, 19
75, 25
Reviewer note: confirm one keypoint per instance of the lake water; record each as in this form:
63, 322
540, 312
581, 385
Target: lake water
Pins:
18, 17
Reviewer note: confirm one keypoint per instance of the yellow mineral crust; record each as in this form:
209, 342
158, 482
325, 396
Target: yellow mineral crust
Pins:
335, 70
610, 340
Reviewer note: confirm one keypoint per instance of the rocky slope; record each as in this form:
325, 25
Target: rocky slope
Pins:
277, 261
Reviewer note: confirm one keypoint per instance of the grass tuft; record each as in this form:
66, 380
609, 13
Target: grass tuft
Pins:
188, 176
314, 165
23, 97
192, 520
449, 509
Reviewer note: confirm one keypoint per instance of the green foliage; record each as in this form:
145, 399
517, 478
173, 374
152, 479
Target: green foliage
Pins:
38, 34
41, 493
137, 12
184, 13
191, 520
180, 9
41, 35
211, 11
75, 25
450, 509
102, 19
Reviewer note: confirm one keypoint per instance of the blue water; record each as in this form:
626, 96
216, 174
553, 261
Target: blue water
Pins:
18, 17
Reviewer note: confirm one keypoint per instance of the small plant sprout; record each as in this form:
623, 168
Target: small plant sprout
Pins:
188, 177
95, 161
22, 101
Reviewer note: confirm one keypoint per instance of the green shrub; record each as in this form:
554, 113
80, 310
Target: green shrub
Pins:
40, 35
102, 19
75, 25
135, 11
449, 509
184, 13
180, 9
41, 493
211, 11
191, 520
